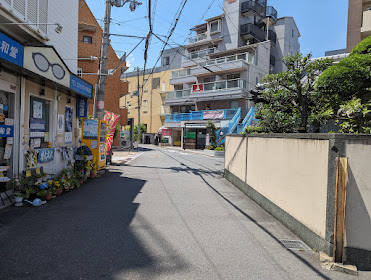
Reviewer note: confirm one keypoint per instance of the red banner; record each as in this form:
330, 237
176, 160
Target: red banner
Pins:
166, 132
111, 120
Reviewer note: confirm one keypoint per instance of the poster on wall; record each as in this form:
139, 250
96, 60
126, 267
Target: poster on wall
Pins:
60, 128
8, 151
68, 125
90, 130
37, 110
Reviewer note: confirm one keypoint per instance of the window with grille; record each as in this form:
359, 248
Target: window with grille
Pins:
128, 105
145, 106
155, 83
87, 39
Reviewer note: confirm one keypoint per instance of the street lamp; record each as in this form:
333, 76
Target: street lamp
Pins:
58, 29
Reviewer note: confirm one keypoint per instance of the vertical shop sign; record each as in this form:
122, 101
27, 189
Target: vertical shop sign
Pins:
68, 125
82, 107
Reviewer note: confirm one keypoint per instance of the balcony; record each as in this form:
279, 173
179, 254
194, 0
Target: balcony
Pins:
182, 76
217, 114
237, 62
197, 38
272, 36
252, 8
219, 90
191, 58
178, 97
271, 16
252, 33
366, 25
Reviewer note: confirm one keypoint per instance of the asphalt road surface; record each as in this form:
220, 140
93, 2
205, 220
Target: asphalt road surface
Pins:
164, 215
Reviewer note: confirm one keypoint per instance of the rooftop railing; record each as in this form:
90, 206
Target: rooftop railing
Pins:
271, 12
252, 6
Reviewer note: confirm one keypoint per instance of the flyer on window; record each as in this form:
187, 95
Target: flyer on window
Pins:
68, 125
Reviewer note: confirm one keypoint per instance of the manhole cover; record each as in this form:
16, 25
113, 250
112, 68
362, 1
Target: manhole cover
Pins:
295, 245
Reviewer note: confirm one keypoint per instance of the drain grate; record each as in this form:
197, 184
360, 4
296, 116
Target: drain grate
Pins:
295, 245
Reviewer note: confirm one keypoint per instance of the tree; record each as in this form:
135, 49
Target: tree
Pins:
143, 129
351, 77
348, 83
212, 129
291, 101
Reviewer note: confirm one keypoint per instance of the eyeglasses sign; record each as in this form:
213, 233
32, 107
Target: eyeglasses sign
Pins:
43, 64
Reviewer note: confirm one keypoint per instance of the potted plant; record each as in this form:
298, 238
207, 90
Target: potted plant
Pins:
42, 194
17, 188
45, 177
58, 187
93, 172
39, 178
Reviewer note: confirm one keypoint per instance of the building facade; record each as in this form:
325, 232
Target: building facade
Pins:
41, 98
153, 88
89, 47
225, 58
359, 22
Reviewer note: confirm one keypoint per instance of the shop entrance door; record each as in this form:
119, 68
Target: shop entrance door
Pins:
201, 139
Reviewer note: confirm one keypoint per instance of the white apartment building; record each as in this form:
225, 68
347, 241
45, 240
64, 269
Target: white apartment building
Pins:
224, 59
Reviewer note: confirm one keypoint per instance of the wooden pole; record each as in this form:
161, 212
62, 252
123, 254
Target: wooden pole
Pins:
340, 202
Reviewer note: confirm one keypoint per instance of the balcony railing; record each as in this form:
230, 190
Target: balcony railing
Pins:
217, 114
272, 36
219, 85
271, 12
272, 61
178, 94
198, 54
244, 56
252, 7
197, 38
250, 30
181, 73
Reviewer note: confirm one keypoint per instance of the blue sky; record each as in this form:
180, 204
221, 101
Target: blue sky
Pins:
322, 23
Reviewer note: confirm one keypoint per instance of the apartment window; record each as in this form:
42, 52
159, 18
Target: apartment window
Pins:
145, 106
155, 83
292, 33
128, 105
215, 26
233, 76
145, 85
209, 80
166, 61
79, 72
87, 39
256, 80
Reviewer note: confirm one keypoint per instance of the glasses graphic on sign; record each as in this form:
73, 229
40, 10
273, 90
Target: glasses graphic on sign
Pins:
43, 64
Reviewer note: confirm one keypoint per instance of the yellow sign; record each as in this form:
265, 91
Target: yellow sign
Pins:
38, 171
28, 173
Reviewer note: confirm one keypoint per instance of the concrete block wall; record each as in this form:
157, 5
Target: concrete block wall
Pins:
293, 177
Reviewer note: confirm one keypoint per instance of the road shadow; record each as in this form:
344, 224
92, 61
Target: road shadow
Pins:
83, 234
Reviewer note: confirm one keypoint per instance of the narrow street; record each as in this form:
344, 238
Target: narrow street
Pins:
166, 214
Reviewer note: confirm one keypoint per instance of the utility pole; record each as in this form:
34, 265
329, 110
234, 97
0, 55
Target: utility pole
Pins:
139, 131
102, 74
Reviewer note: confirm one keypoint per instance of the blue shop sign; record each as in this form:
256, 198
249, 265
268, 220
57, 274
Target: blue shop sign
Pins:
6, 130
81, 86
82, 107
45, 155
11, 50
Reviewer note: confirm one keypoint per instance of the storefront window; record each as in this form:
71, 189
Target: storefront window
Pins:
39, 123
6, 130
